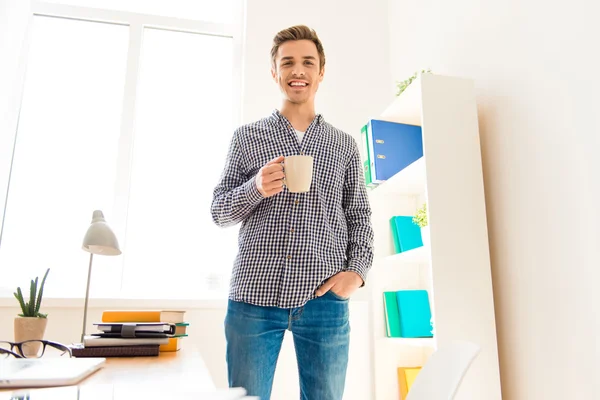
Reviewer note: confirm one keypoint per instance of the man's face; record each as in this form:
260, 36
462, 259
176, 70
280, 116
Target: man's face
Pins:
297, 70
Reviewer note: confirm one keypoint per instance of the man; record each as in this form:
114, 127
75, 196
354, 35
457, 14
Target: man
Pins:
301, 255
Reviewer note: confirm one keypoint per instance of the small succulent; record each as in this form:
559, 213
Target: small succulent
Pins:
401, 86
32, 307
420, 217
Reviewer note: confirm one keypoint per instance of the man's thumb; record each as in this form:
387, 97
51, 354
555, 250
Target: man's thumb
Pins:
276, 160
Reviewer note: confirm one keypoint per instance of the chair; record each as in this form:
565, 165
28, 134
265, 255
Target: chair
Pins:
440, 377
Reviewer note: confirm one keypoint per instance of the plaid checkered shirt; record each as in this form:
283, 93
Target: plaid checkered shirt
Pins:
290, 243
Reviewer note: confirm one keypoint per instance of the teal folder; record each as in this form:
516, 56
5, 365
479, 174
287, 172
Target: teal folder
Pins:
407, 234
414, 314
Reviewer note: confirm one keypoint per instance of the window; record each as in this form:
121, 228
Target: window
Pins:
183, 127
137, 128
219, 11
65, 156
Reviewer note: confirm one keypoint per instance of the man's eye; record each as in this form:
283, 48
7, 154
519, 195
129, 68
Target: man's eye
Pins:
309, 62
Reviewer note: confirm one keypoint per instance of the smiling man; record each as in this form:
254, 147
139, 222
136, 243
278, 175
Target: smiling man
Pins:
301, 255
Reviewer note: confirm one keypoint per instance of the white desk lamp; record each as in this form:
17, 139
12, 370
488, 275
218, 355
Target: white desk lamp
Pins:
99, 239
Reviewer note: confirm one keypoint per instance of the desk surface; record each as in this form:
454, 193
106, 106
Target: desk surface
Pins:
183, 367
169, 374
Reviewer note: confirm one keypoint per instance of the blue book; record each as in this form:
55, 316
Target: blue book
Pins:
392, 147
414, 314
407, 234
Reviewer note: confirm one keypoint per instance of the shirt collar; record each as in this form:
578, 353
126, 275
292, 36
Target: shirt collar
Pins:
280, 118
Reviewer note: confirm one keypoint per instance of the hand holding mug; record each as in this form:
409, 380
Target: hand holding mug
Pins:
269, 179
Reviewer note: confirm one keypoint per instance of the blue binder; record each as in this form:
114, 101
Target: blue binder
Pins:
392, 146
415, 314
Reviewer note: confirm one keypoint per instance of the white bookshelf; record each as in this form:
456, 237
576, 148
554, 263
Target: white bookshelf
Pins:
455, 269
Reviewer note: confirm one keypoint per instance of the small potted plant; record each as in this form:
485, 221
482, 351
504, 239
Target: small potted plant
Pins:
31, 323
420, 219
401, 86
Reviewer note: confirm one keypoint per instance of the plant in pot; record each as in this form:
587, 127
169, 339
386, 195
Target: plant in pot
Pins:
420, 219
31, 323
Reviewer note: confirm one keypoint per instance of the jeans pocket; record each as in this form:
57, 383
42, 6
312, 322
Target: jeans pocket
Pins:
337, 296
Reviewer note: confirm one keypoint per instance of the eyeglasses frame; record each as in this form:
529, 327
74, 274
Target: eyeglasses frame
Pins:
18, 345
10, 353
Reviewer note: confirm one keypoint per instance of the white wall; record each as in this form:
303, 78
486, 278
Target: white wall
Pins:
354, 33
357, 85
535, 67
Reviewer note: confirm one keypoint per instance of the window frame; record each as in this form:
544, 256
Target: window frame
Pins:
136, 22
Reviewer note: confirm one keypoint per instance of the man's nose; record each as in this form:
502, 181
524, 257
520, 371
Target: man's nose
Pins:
298, 71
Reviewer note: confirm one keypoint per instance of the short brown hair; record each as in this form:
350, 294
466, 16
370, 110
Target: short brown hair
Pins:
298, 32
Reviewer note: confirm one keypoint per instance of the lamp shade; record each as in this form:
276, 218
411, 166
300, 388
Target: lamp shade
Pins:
99, 238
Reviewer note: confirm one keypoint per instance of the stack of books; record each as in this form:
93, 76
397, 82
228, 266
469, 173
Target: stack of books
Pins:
135, 333
176, 317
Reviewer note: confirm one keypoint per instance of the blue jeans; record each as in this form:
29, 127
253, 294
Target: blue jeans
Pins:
321, 335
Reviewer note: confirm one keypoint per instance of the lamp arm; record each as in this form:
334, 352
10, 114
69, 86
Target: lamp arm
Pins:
87, 295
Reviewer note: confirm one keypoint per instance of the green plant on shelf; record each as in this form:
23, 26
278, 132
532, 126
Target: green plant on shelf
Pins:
420, 217
32, 307
401, 86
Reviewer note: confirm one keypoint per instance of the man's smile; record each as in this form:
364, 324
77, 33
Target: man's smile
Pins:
298, 84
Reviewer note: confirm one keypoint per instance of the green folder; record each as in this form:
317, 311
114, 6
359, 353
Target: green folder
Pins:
365, 158
392, 316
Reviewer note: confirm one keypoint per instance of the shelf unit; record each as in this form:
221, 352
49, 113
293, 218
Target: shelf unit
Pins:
455, 269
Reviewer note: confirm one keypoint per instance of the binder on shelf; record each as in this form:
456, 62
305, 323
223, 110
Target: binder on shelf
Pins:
406, 234
364, 156
390, 307
414, 314
392, 147
406, 377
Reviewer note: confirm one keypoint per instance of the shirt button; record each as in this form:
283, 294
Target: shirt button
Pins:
292, 230
288, 257
296, 202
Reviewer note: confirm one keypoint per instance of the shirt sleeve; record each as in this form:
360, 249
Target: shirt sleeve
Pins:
235, 196
358, 217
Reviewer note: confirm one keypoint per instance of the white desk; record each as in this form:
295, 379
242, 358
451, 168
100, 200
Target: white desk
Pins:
181, 374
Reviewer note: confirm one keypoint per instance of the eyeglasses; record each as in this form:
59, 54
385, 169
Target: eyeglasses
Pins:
33, 349
7, 353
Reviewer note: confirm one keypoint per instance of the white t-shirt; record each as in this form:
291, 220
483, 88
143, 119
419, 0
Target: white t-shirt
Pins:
300, 135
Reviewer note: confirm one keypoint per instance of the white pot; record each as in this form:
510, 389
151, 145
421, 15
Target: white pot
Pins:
425, 236
30, 328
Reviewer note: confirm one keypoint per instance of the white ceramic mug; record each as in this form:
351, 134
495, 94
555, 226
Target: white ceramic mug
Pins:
298, 172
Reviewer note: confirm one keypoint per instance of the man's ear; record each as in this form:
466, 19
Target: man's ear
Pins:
274, 74
321, 74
